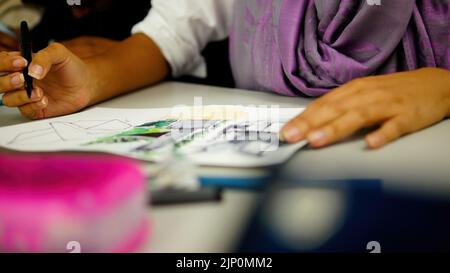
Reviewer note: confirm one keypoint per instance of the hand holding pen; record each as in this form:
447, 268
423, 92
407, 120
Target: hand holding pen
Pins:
48, 83
18, 80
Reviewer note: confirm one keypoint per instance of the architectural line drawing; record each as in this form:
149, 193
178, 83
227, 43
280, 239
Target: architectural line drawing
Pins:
70, 131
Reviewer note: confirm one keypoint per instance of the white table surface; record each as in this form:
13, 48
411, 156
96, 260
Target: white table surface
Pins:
418, 163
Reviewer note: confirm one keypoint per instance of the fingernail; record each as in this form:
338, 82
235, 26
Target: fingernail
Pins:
36, 94
375, 141
19, 63
17, 80
36, 71
290, 133
317, 137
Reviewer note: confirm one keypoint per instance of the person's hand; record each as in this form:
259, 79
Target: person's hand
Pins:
8, 43
61, 86
88, 46
401, 103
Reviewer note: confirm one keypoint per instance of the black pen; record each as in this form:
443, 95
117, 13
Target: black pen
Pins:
26, 51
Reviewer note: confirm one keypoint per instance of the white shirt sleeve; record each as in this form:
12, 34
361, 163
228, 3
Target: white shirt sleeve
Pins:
182, 28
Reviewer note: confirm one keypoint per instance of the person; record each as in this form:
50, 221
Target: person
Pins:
384, 65
93, 27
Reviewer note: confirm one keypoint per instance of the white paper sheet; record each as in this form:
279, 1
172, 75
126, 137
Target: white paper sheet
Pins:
213, 135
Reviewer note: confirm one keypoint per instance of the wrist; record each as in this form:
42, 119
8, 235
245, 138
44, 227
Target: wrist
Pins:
447, 98
93, 84
442, 76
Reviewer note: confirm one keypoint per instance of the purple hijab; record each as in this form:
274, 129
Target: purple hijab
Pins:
309, 47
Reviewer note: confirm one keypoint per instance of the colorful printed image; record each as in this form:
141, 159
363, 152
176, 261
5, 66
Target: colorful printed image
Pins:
249, 138
144, 132
156, 135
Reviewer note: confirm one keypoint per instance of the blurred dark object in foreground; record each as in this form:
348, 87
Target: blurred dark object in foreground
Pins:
347, 216
111, 19
114, 19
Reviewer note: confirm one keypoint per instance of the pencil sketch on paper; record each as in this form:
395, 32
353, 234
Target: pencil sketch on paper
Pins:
154, 134
206, 141
69, 131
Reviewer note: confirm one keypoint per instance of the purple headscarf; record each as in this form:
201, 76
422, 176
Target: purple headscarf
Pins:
309, 47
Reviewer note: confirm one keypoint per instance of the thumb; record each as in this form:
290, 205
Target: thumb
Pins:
43, 61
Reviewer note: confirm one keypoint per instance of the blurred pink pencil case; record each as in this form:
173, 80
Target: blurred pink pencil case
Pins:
72, 203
